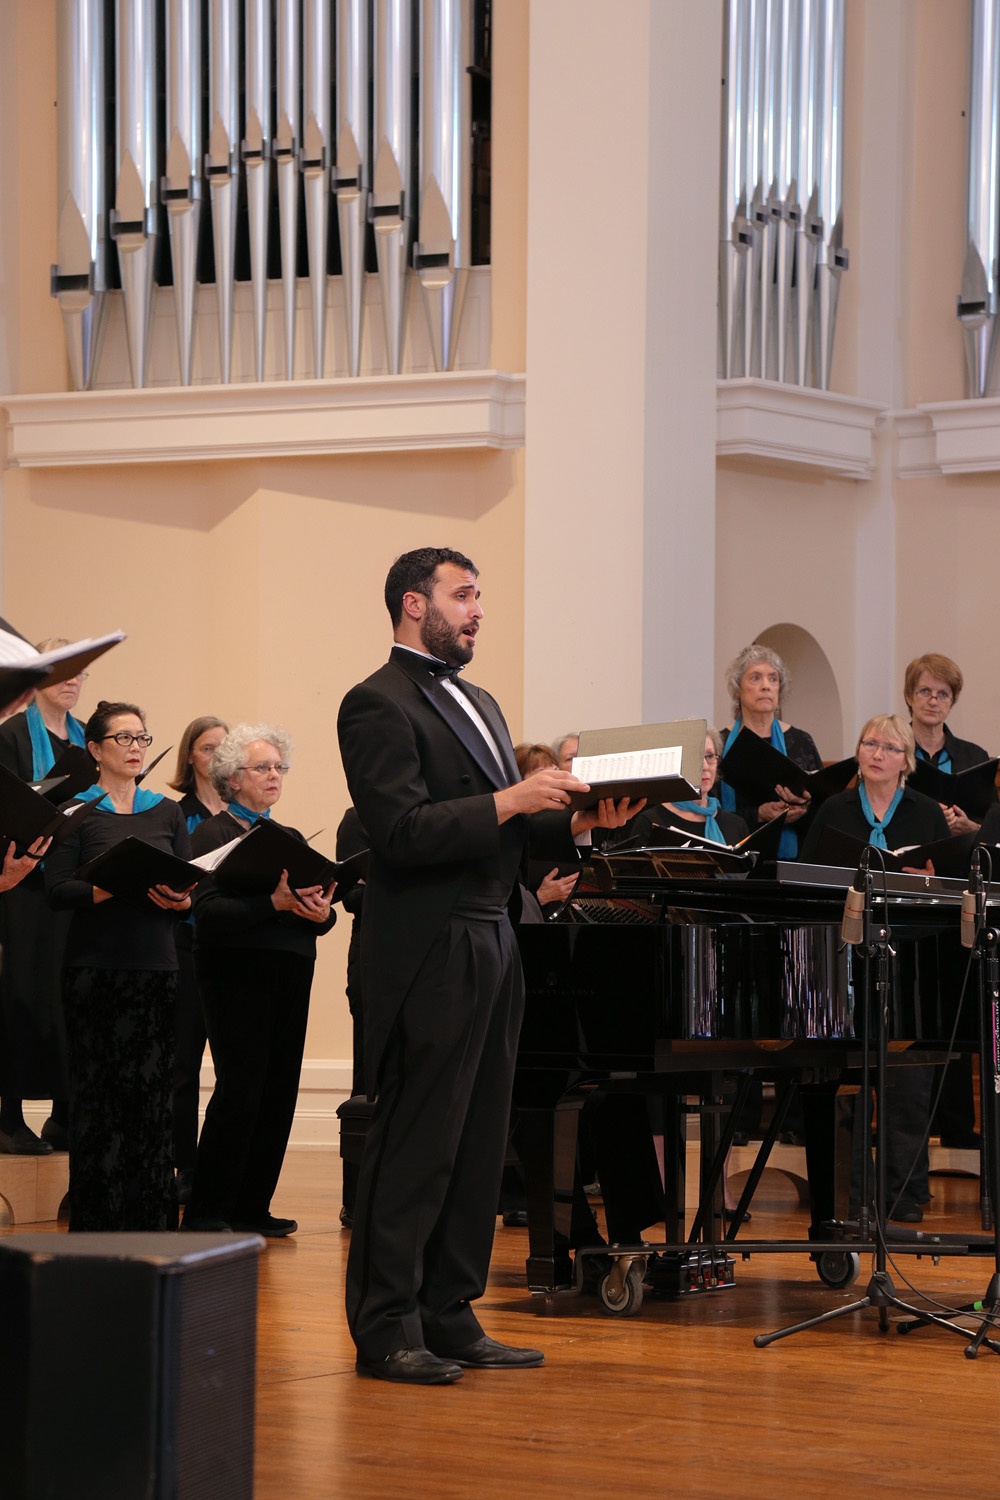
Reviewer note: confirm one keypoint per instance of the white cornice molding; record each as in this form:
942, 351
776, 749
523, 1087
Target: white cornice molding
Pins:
791, 424
374, 414
948, 437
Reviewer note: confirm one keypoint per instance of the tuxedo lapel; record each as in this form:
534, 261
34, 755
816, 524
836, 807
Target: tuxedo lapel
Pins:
458, 721
495, 724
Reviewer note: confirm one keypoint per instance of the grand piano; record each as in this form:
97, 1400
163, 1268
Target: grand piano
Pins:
675, 985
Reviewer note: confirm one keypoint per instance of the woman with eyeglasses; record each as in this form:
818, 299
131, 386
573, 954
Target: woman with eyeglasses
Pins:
254, 958
884, 812
32, 1032
931, 688
119, 980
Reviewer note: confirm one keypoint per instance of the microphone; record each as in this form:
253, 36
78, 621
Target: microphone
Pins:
970, 901
852, 928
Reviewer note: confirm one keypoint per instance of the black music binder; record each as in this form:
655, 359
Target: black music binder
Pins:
27, 815
630, 760
73, 772
949, 857
974, 790
755, 769
252, 864
128, 870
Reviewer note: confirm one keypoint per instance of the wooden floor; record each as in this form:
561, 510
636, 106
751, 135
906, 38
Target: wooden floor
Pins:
676, 1402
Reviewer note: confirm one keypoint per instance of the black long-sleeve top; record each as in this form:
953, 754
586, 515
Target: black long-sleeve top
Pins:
917, 820
222, 920
115, 934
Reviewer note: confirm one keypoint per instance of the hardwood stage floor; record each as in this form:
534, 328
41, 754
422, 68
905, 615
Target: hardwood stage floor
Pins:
676, 1402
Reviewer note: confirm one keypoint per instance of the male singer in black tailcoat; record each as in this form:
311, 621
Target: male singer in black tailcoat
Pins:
431, 771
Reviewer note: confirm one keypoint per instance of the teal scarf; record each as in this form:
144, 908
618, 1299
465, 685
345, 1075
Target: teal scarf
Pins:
877, 836
706, 810
239, 811
43, 756
788, 846
142, 801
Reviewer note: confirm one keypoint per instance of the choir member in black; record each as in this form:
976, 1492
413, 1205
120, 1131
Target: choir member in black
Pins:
884, 812
119, 978
931, 687
758, 683
32, 1031
254, 958
199, 801
552, 890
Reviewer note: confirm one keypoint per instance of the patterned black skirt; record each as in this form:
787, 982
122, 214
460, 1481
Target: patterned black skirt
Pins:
119, 1027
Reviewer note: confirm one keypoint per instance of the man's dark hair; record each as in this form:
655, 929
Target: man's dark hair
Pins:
413, 573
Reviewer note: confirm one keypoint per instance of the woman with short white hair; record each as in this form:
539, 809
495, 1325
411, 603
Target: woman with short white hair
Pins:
254, 958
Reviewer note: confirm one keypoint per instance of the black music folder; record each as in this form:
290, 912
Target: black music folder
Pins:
252, 864
661, 762
74, 771
974, 790
950, 856
755, 769
16, 681
128, 870
27, 815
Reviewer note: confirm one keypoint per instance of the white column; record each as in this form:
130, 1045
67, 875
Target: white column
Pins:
620, 450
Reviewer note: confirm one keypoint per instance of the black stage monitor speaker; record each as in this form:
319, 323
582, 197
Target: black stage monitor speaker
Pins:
127, 1366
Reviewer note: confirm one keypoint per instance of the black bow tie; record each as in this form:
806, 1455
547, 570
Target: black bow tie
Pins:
440, 670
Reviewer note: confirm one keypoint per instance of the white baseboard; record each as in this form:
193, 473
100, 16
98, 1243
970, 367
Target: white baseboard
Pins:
324, 1084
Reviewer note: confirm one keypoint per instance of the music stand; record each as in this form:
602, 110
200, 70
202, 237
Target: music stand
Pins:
880, 1293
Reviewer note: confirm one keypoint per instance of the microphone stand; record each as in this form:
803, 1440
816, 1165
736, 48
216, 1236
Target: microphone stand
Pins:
880, 1292
985, 946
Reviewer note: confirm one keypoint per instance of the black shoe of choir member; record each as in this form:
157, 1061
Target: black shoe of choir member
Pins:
24, 1142
410, 1367
205, 1226
515, 1218
740, 1138
791, 1138
906, 1212
487, 1354
346, 1218
57, 1135
729, 1214
270, 1227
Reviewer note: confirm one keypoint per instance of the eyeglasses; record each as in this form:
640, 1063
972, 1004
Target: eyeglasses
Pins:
930, 694
125, 739
872, 745
710, 757
263, 766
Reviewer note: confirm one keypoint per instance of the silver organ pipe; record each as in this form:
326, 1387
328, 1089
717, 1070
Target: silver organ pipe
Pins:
368, 100
978, 302
315, 159
781, 229
442, 252
221, 162
831, 258
133, 218
256, 152
285, 151
391, 209
735, 230
181, 188
79, 277
351, 171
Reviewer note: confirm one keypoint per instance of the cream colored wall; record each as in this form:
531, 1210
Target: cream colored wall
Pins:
251, 590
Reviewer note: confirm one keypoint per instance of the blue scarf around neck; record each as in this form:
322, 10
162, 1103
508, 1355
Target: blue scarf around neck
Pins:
877, 836
43, 757
239, 811
142, 801
706, 810
788, 845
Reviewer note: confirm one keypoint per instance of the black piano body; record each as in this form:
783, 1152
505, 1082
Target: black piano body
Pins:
673, 987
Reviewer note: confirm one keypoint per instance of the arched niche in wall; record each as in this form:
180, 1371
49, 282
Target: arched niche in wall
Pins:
814, 700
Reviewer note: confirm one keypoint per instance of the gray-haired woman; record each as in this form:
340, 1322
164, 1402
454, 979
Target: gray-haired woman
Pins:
254, 958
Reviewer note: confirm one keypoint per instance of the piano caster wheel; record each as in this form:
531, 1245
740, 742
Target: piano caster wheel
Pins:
838, 1268
626, 1302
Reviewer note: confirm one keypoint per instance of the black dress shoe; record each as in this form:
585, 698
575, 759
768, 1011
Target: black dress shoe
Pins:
729, 1214
270, 1227
24, 1142
515, 1218
57, 1135
410, 1367
205, 1226
906, 1212
487, 1354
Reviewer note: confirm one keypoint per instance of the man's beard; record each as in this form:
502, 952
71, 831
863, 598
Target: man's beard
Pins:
444, 640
